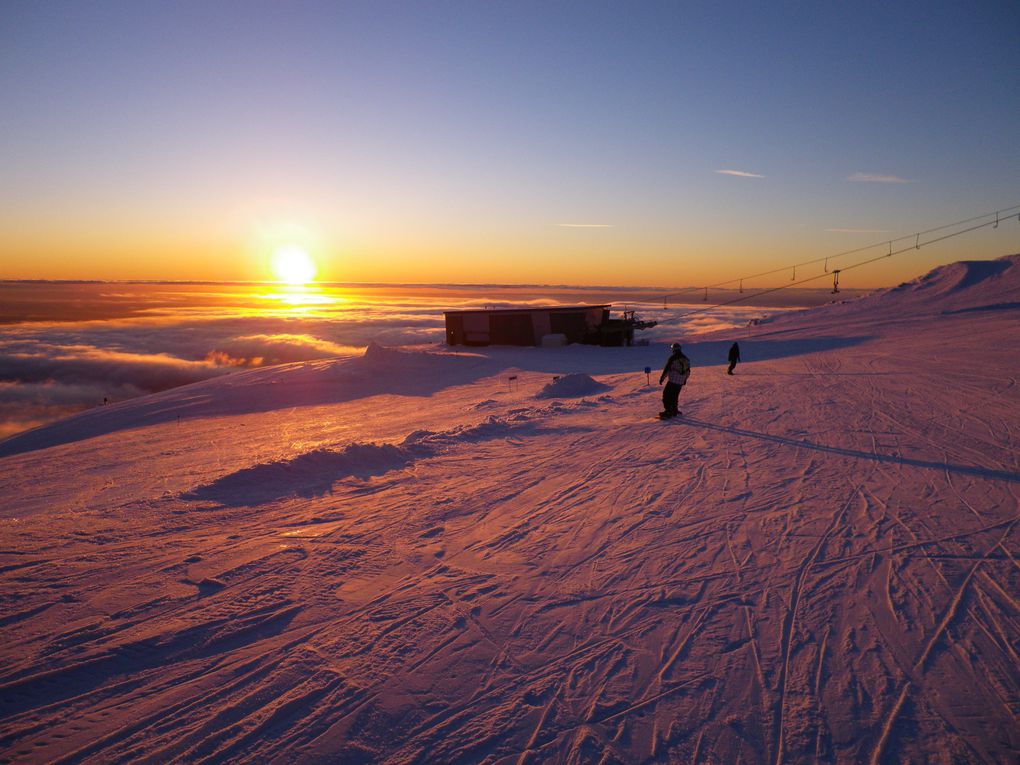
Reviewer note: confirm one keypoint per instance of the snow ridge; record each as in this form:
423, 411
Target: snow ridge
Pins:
311, 474
314, 473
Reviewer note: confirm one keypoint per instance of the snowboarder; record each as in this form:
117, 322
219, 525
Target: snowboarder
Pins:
677, 369
734, 357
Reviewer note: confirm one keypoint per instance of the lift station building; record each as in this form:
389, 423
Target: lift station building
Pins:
588, 324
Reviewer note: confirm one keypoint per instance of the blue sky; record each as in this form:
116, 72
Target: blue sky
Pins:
437, 141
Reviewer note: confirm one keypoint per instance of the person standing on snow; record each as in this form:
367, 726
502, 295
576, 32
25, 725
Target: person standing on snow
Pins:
677, 369
734, 357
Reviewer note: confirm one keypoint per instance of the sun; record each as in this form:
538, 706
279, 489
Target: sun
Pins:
293, 265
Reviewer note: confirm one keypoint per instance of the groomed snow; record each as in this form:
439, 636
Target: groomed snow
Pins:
411, 557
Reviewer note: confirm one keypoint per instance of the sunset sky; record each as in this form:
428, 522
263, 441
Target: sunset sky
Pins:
587, 143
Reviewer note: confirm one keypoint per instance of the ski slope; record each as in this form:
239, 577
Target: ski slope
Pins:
409, 557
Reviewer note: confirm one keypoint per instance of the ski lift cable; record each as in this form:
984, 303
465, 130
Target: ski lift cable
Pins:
888, 242
885, 242
918, 244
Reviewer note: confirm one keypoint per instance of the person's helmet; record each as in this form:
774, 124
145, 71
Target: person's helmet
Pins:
675, 348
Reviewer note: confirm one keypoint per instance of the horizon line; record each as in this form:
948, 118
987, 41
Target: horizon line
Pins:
271, 283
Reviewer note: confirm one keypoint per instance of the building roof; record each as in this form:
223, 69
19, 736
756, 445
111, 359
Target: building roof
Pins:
530, 309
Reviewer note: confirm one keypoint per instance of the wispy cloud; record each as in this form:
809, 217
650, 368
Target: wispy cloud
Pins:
876, 178
585, 225
740, 173
858, 230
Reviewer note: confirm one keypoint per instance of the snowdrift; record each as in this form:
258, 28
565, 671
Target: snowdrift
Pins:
307, 475
314, 473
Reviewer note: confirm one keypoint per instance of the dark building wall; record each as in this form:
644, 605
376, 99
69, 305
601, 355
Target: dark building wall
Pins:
580, 324
573, 325
454, 329
511, 329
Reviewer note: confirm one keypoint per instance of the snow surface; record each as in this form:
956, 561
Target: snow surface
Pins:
410, 557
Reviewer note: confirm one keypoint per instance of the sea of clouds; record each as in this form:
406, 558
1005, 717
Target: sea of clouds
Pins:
137, 339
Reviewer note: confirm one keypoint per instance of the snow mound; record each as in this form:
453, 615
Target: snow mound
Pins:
311, 474
572, 386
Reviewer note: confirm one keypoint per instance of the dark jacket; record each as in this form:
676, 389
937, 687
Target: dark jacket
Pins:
677, 369
734, 352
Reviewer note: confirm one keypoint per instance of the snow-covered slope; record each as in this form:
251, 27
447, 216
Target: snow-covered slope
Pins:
958, 287
449, 557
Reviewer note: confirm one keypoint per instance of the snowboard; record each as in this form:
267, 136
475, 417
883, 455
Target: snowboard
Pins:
664, 416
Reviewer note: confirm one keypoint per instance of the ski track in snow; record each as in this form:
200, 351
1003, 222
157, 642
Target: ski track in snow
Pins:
818, 563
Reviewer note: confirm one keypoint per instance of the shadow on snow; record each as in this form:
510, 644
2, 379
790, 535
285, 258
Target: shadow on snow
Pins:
999, 475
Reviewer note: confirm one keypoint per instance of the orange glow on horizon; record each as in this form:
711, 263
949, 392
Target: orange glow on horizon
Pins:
650, 258
299, 300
